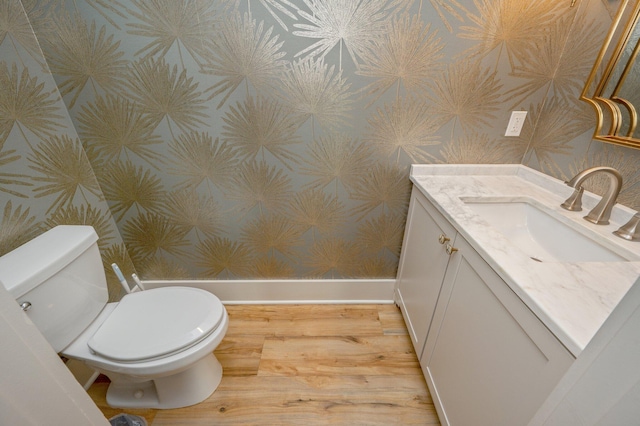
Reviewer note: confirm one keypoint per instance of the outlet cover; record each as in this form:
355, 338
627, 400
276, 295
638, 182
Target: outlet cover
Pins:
515, 123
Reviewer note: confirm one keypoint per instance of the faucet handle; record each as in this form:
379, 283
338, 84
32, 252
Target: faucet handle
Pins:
574, 202
630, 230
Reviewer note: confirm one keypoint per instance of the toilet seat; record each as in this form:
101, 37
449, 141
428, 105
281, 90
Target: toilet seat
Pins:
156, 323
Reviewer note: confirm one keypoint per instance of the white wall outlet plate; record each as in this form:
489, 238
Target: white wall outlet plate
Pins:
515, 123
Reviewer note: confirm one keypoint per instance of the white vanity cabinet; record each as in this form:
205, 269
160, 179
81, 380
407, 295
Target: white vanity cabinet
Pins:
423, 263
487, 359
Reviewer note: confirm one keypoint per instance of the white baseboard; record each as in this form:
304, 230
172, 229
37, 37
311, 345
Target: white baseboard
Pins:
290, 291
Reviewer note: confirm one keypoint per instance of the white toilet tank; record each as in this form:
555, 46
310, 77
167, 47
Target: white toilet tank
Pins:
60, 274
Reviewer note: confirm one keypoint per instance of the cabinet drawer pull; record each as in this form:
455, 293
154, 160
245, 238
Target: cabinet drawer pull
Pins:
451, 249
443, 239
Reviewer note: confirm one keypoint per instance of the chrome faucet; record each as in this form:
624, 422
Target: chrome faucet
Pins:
602, 211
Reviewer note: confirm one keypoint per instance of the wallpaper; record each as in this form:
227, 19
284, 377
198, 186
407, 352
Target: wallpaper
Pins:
45, 176
235, 139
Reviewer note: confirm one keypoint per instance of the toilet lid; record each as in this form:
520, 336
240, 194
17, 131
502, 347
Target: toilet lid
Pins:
157, 322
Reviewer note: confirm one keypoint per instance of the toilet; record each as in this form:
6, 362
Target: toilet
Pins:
156, 346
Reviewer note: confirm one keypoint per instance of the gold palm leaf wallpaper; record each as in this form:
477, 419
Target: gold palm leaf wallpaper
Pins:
82, 55
266, 139
244, 52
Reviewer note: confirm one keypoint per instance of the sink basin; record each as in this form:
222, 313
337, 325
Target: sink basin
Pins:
540, 235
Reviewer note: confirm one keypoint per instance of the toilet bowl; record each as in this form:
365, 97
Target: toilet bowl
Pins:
156, 346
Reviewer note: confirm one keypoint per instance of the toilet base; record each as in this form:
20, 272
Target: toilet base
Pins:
182, 389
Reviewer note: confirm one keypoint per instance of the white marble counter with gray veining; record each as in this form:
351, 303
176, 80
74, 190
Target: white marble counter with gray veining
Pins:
571, 299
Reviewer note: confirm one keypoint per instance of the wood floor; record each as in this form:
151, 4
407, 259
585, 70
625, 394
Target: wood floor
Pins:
308, 365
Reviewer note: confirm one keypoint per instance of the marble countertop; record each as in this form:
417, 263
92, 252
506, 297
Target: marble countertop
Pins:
571, 299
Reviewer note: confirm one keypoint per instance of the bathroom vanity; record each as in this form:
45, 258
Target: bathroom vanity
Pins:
501, 289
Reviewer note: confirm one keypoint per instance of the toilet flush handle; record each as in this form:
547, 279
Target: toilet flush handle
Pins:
25, 306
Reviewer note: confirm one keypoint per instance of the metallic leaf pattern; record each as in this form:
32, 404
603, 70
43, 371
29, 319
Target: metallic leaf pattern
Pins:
376, 267
243, 139
475, 148
221, 255
467, 93
541, 71
271, 268
271, 235
337, 158
149, 235
383, 233
385, 187
126, 186
313, 209
553, 133
82, 55
285, 7
12, 183
161, 268
15, 26
163, 92
259, 126
408, 55
316, 90
200, 213
16, 228
25, 103
452, 7
257, 184
406, 126
62, 170
332, 257
197, 159
348, 23
187, 25
509, 24
116, 128
244, 52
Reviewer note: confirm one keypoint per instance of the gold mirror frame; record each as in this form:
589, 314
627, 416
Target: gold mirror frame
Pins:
617, 118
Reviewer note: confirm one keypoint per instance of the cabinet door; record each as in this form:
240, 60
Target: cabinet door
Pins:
489, 360
423, 263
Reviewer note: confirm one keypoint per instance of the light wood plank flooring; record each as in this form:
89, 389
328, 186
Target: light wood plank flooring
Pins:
308, 365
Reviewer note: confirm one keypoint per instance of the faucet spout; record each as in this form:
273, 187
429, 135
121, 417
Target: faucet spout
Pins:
601, 213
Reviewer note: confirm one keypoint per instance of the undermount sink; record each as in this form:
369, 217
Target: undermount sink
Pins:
540, 235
